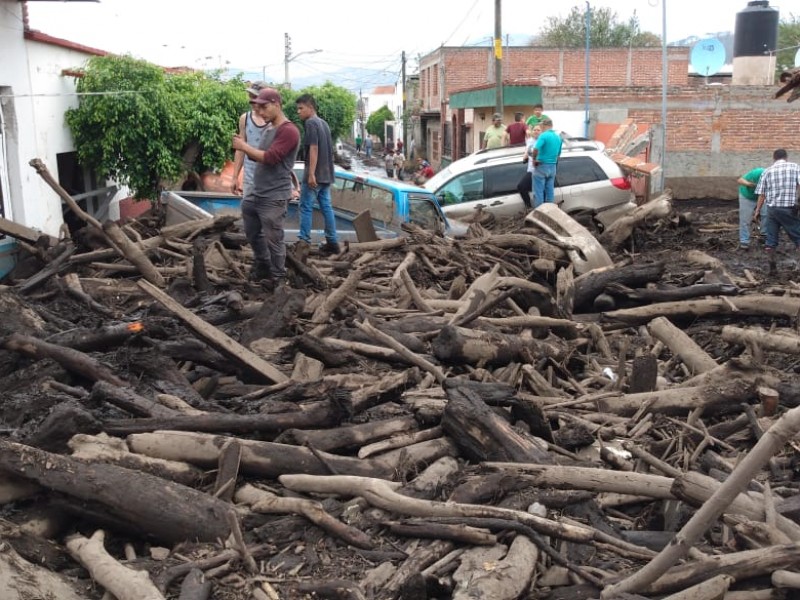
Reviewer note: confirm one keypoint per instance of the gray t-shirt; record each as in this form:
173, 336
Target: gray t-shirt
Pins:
274, 182
317, 133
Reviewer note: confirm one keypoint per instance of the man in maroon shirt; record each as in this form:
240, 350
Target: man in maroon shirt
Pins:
264, 208
516, 131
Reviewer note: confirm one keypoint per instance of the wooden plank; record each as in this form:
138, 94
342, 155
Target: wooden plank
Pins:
365, 230
216, 338
21, 232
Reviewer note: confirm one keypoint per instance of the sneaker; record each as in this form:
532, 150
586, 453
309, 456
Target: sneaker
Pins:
744, 247
260, 271
329, 248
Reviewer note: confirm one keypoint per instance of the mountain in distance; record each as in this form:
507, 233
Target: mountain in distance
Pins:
358, 79
354, 79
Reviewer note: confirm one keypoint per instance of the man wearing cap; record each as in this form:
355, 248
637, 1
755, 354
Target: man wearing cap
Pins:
264, 208
251, 126
545, 158
496, 135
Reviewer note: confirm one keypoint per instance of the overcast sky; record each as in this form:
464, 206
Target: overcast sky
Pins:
250, 35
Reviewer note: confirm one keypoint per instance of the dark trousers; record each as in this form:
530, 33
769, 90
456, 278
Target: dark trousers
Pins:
263, 227
524, 188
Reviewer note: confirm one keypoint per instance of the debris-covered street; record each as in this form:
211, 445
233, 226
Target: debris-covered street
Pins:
414, 418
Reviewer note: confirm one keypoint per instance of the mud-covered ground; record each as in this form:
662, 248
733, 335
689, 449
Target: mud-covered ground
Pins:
295, 547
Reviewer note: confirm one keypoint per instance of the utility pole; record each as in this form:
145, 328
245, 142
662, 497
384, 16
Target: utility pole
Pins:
498, 57
586, 91
287, 54
405, 119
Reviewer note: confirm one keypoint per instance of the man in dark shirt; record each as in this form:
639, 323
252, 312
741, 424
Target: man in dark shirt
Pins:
264, 208
516, 131
317, 175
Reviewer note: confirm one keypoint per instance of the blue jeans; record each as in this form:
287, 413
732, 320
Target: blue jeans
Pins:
544, 183
779, 218
322, 194
746, 209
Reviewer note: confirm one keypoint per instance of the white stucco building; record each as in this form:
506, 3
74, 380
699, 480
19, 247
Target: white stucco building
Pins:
37, 86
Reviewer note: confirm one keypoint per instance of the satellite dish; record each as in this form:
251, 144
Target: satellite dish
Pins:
707, 57
797, 58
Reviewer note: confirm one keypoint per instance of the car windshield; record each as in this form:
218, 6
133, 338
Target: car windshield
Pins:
438, 179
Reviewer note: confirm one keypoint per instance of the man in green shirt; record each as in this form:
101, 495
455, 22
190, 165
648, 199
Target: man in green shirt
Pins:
747, 205
537, 117
495, 136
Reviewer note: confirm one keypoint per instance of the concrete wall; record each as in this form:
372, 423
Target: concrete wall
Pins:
34, 95
714, 133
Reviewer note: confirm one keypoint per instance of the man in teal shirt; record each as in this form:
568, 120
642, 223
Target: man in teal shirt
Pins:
545, 159
747, 205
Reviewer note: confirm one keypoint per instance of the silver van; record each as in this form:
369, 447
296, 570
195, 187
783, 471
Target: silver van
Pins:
587, 183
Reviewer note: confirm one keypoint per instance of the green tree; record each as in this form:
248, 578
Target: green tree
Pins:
376, 121
605, 31
789, 38
336, 105
142, 126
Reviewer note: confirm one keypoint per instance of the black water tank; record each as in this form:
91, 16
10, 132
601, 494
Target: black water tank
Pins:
756, 30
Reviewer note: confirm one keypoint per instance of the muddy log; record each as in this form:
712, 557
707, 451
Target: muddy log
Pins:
318, 414
457, 345
697, 359
160, 509
123, 582
348, 436
482, 434
758, 305
590, 285
129, 401
784, 341
269, 459
71, 360
682, 400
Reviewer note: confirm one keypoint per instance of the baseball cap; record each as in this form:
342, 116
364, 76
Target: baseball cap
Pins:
256, 87
546, 122
497, 116
267, 95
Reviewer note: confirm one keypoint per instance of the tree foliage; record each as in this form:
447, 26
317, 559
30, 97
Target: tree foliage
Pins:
145, 127
142, 126
605, 31
376, 121
789, 38
336, 105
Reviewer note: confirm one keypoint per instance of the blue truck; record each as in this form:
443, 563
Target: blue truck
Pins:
389, 205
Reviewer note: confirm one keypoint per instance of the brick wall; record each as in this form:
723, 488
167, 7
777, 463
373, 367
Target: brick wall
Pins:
467, 68
714, 133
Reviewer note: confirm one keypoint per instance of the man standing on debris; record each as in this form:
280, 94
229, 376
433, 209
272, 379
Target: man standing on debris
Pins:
747, 205
317, 175
778, 188
264, 209
545, 158
251, 126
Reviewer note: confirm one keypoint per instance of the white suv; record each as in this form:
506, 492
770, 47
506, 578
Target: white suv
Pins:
587, 183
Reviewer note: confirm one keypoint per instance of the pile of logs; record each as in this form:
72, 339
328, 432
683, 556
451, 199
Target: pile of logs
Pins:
414, 418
